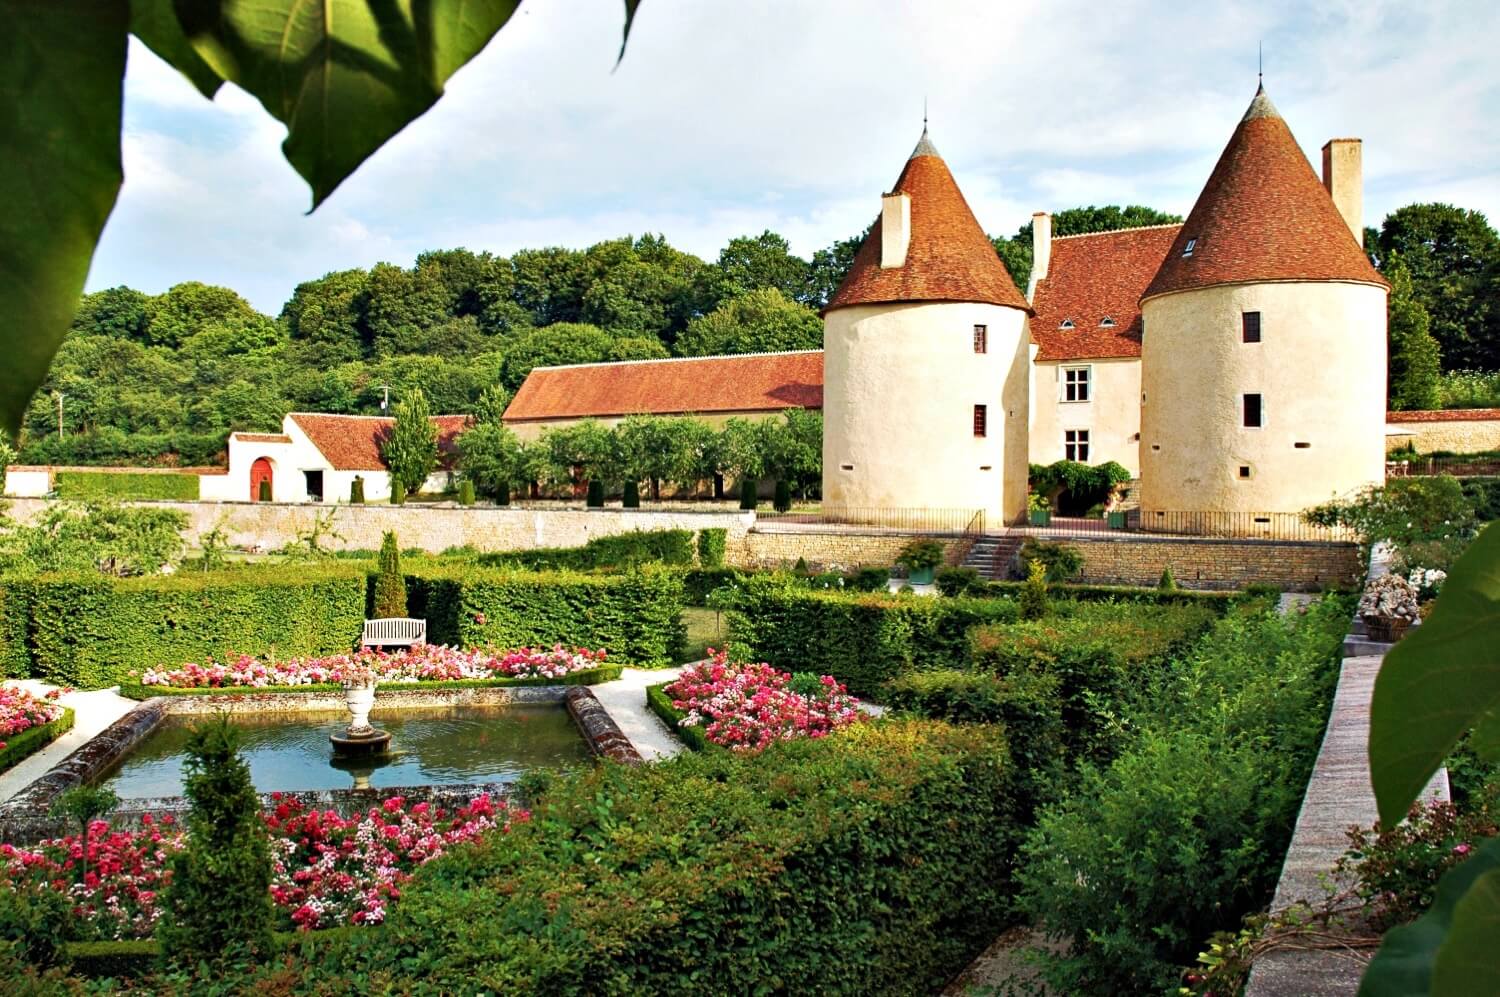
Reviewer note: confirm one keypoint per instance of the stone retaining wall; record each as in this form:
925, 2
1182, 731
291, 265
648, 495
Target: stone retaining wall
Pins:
1209, 563
830, 546
1458, 430
433, 528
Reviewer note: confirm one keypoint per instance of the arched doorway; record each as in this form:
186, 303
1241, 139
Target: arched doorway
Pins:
260, 471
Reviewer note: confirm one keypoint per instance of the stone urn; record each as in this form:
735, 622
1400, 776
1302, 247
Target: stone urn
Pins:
360, 699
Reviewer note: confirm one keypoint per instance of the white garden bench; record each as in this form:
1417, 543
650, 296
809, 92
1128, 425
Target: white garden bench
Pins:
394, 631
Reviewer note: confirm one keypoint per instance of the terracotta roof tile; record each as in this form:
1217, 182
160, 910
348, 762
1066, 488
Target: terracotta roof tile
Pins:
949, 257
755, 382
353, 442
1093, 277
1263, 216
1446, 415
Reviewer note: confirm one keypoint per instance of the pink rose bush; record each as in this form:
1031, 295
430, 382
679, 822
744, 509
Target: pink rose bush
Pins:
747, 707
21, 710
423, 663
327, 870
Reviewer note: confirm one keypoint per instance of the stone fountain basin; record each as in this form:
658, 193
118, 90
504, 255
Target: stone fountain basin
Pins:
24, 817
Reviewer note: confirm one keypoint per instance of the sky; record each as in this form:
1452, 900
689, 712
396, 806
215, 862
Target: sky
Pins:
728, 118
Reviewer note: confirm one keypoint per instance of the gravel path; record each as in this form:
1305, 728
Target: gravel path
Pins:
625, 699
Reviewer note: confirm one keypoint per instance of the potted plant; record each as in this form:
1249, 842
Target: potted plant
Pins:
1040, 509
921, 558
1388, 607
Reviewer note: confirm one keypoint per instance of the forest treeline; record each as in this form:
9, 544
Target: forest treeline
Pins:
163, 378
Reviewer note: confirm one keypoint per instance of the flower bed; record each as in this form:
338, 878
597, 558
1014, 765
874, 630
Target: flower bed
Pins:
424, 663
29, 723
746, 707
327, 870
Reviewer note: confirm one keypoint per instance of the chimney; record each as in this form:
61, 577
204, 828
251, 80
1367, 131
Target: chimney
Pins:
895, 229
1041, 249
1342, 176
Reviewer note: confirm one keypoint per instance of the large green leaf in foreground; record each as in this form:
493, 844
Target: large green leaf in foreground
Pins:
342, 75
62, 65
1440, 682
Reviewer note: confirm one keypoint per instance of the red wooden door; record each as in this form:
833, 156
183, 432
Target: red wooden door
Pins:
260, 471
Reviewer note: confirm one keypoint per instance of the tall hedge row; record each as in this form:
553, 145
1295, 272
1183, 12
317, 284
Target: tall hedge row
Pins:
619, 550
635, 615
123, 486
874, 862
92, 631
863, 640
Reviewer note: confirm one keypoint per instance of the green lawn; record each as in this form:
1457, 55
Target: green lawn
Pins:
704, 630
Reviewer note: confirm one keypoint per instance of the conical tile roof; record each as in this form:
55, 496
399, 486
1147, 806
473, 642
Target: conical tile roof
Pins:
949, 257
1263, 216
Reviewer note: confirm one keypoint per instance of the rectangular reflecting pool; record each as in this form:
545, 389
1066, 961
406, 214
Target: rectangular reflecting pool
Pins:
430, 746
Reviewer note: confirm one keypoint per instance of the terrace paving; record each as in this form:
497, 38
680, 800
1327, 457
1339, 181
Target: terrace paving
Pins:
92, 712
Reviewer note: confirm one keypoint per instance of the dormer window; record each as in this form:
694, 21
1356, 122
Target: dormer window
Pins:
1067, 323
1187, 250
1106, 323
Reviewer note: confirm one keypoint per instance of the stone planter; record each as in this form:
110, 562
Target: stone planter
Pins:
1385, 630
360, 699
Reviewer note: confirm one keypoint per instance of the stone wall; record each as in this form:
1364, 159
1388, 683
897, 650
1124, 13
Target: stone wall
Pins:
1207, 563
1458, 430
829, 546
434, 528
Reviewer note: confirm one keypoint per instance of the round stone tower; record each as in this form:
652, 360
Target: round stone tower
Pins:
1263, 359
925, 361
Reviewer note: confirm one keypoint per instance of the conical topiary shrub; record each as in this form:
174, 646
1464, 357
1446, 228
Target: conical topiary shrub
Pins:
398, 493
357, 490
264, 494
596, 494
749, 493
390, 583
466, 492
632, 496
783, 501
502, 494
1167, 583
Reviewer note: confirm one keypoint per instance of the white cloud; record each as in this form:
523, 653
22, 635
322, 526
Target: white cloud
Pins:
728, 118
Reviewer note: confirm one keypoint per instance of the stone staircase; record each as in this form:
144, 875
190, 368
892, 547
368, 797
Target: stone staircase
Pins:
994, 556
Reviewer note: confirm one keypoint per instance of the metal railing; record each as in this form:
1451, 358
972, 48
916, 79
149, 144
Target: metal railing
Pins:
1461, 467
1227, 525
949, 522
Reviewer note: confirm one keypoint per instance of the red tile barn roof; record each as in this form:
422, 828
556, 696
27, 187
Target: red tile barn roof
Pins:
1093, 277
755, 382
949, 257
1263, 216
353, 442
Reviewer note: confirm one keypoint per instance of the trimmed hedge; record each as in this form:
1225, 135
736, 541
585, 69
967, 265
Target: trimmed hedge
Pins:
711, 546
661, 704
699, 582
863, 640
588, 676
620, 550
1218, 601
635, 615
136, 957
874, 861
92, 631
15, 612
1484, 493
27, 743
85, 485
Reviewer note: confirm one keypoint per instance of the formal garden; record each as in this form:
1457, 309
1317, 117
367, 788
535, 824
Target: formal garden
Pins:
901, 777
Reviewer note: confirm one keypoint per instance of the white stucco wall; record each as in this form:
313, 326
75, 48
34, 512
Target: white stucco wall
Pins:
1320, 368
900, 383
27, 482
1112, 415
